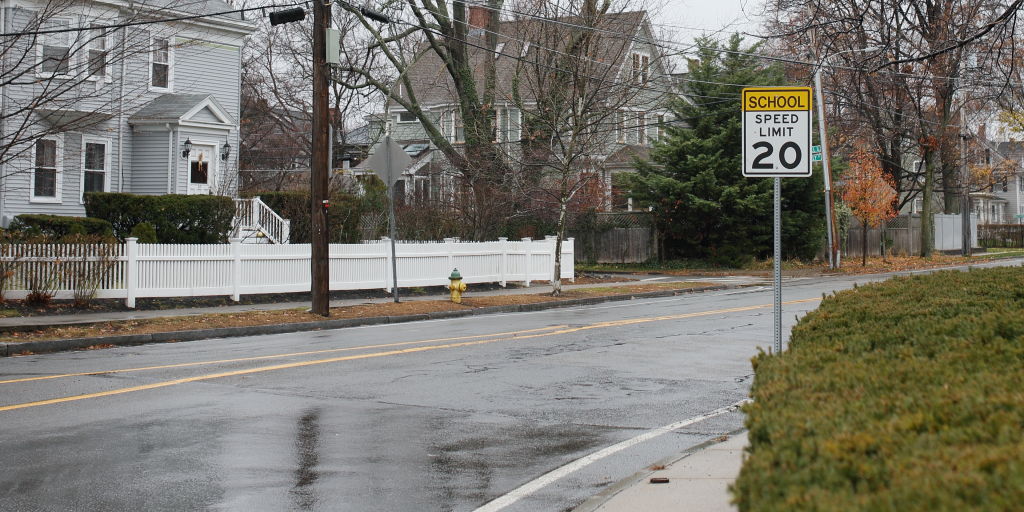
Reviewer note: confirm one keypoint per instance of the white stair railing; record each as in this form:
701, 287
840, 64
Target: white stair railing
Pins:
253, 215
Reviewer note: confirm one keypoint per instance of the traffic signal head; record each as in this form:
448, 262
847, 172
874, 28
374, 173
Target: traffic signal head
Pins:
287, 16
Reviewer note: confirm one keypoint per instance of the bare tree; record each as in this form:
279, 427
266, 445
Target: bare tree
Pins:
905, 71
451, 57
277, 97
587, 75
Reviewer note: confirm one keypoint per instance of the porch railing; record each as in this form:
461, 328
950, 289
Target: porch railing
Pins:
255, 218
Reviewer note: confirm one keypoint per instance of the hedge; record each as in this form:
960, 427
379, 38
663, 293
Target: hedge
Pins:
58, 226
903, 395
177, 219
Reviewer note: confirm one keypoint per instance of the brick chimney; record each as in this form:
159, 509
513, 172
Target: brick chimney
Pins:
479, 16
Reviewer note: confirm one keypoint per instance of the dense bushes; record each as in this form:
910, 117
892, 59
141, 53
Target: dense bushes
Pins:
57, 226
342, 216
905, 395
177, 219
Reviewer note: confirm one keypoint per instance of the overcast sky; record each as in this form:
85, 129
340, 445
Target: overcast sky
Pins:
688, 18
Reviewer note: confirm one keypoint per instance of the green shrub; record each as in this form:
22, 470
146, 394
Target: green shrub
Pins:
177, 219
145, 232
57, 226
342, 216
904, 395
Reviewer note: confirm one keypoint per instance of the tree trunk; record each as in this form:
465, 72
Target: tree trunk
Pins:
927, 226
556, 279
864, 243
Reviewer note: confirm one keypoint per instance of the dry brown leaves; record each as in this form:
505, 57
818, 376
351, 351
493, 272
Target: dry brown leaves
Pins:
255, 318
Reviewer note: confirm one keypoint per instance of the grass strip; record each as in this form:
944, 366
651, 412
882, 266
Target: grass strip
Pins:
274, 317
902, 395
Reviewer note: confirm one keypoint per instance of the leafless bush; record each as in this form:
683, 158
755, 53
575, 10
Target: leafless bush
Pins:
89, 263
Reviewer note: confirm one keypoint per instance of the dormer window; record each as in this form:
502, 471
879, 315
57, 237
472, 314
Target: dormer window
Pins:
641, 65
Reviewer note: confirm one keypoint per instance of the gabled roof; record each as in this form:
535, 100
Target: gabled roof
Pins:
174, 108
519, 42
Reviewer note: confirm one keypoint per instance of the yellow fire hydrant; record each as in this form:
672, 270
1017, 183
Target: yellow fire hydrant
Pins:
456, 286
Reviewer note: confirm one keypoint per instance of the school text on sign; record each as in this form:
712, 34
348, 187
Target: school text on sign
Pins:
777, 132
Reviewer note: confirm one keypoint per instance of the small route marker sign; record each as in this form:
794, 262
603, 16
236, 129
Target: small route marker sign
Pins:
777, 132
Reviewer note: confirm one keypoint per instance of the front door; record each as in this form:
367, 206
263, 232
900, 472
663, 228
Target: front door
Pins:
201, 169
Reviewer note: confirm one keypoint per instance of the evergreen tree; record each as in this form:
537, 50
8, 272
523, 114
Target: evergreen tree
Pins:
703, 205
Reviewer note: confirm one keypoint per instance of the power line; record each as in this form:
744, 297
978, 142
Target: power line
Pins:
147, 22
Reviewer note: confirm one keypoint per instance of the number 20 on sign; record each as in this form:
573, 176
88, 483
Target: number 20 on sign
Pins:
777, 132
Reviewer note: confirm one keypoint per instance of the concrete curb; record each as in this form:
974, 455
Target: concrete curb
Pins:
596, 501
38, 347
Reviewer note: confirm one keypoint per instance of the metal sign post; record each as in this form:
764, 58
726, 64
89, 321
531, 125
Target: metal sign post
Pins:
388, 161
777, 144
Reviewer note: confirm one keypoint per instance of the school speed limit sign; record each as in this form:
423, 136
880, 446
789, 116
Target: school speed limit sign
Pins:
777, 132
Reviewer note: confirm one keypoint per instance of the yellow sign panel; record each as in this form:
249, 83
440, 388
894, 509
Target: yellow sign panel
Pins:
777, 99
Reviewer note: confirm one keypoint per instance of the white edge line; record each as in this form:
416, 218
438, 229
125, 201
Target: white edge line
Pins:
556, 474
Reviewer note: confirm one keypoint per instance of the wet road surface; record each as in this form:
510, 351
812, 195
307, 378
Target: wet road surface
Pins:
439, 415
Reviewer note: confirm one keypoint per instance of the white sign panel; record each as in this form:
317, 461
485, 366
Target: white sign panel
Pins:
777, 132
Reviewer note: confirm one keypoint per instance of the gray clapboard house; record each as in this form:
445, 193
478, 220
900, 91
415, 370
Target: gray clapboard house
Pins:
627, 46
87, 104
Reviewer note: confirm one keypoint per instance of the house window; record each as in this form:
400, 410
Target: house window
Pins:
498, 49
620, 126
94, 166
46, 174
55, 51
918, 206
160, 69
641, 63
515, 123
455, 130
1020, 183
406, 117
661, 126
641, 128
98, 51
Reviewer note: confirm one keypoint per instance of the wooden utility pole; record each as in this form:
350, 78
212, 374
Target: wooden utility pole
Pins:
319, 268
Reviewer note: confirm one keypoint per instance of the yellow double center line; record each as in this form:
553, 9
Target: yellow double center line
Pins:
493, 338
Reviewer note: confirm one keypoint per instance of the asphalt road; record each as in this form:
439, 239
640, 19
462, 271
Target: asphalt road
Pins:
438, 415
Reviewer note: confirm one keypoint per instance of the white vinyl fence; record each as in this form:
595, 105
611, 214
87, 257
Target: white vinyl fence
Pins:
133, 270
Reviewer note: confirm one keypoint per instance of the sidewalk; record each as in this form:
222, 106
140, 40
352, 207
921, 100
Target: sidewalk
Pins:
111, 316
697, 481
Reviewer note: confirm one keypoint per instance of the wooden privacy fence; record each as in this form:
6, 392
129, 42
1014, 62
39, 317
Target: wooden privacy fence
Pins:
1001, 235
904, 235
134, 270
619, 237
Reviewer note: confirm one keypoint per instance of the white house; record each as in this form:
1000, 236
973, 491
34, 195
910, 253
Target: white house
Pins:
109, 95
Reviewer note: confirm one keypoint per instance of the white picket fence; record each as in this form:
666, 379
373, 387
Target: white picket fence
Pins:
136, 270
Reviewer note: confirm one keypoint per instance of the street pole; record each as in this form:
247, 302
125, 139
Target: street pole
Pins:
777, 302
391, 217
965, 196
833, 253
319, 268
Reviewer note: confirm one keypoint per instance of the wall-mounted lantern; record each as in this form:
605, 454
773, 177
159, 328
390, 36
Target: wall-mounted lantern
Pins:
186, 148
225, 151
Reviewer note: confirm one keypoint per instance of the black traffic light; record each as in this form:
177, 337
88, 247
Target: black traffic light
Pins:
287, 16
